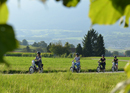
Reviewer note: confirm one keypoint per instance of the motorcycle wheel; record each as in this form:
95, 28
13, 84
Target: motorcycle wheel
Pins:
41, 70
79, 70
71, 69
112, 69
116, 69
31, 70
98, 69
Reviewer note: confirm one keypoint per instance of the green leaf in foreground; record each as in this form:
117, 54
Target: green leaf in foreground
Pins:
7, 41
3, 13
123, 6
103, 12
107, 12
70, 3
127, 69
2, 1
127, 16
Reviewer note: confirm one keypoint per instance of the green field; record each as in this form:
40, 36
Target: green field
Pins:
57, 78
22, 64
60, 83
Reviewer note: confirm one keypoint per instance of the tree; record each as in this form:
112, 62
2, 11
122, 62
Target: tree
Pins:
115, 53
90, 43
42, 44
87, 46
94, 37
108, 53
79, 49
100, 46
48, 48
27, 49
72, 46
35, 44
66, 48
93, 45
56, 49
39, 49
127, 53
24, 42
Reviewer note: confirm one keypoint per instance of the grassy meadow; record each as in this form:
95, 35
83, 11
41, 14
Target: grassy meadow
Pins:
60, 82
22, 64
57, 78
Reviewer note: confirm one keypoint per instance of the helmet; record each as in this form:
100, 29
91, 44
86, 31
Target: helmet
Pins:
77, 54
38, 52
103, 55
115, 57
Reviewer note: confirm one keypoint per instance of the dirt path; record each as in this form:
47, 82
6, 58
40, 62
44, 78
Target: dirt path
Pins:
74, 72
100, 72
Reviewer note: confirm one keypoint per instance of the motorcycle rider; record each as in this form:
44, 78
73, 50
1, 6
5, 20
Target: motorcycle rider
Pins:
115, 61
103, 62
77, 58
38, 59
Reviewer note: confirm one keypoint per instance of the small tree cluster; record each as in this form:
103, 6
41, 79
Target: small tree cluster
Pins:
127, 53
58, 49
40, 44
24, 42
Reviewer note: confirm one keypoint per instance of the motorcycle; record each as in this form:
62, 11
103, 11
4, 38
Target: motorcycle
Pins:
73, 68
33, 68
114, 67
100, 67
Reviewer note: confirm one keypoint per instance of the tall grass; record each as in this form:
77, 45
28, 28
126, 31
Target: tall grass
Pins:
60, 83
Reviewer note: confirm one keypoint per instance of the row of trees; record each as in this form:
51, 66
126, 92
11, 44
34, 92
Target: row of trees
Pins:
41, 44
93, 45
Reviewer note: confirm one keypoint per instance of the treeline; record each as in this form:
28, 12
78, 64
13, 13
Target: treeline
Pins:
92, 45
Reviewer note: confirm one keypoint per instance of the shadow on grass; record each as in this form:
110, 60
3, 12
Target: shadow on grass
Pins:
49, 71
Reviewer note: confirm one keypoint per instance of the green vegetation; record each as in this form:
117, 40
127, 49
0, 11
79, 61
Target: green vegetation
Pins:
93, 44
60, 83
22, 64
118, 8
19, 82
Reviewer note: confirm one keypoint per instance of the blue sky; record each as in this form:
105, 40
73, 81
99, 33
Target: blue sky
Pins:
32, 14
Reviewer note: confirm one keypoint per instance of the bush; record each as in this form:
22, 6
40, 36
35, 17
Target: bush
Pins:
70, 55
29, 54
13, 54
65, 55
80, 56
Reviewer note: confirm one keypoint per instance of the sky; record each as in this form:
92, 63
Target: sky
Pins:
33, 15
